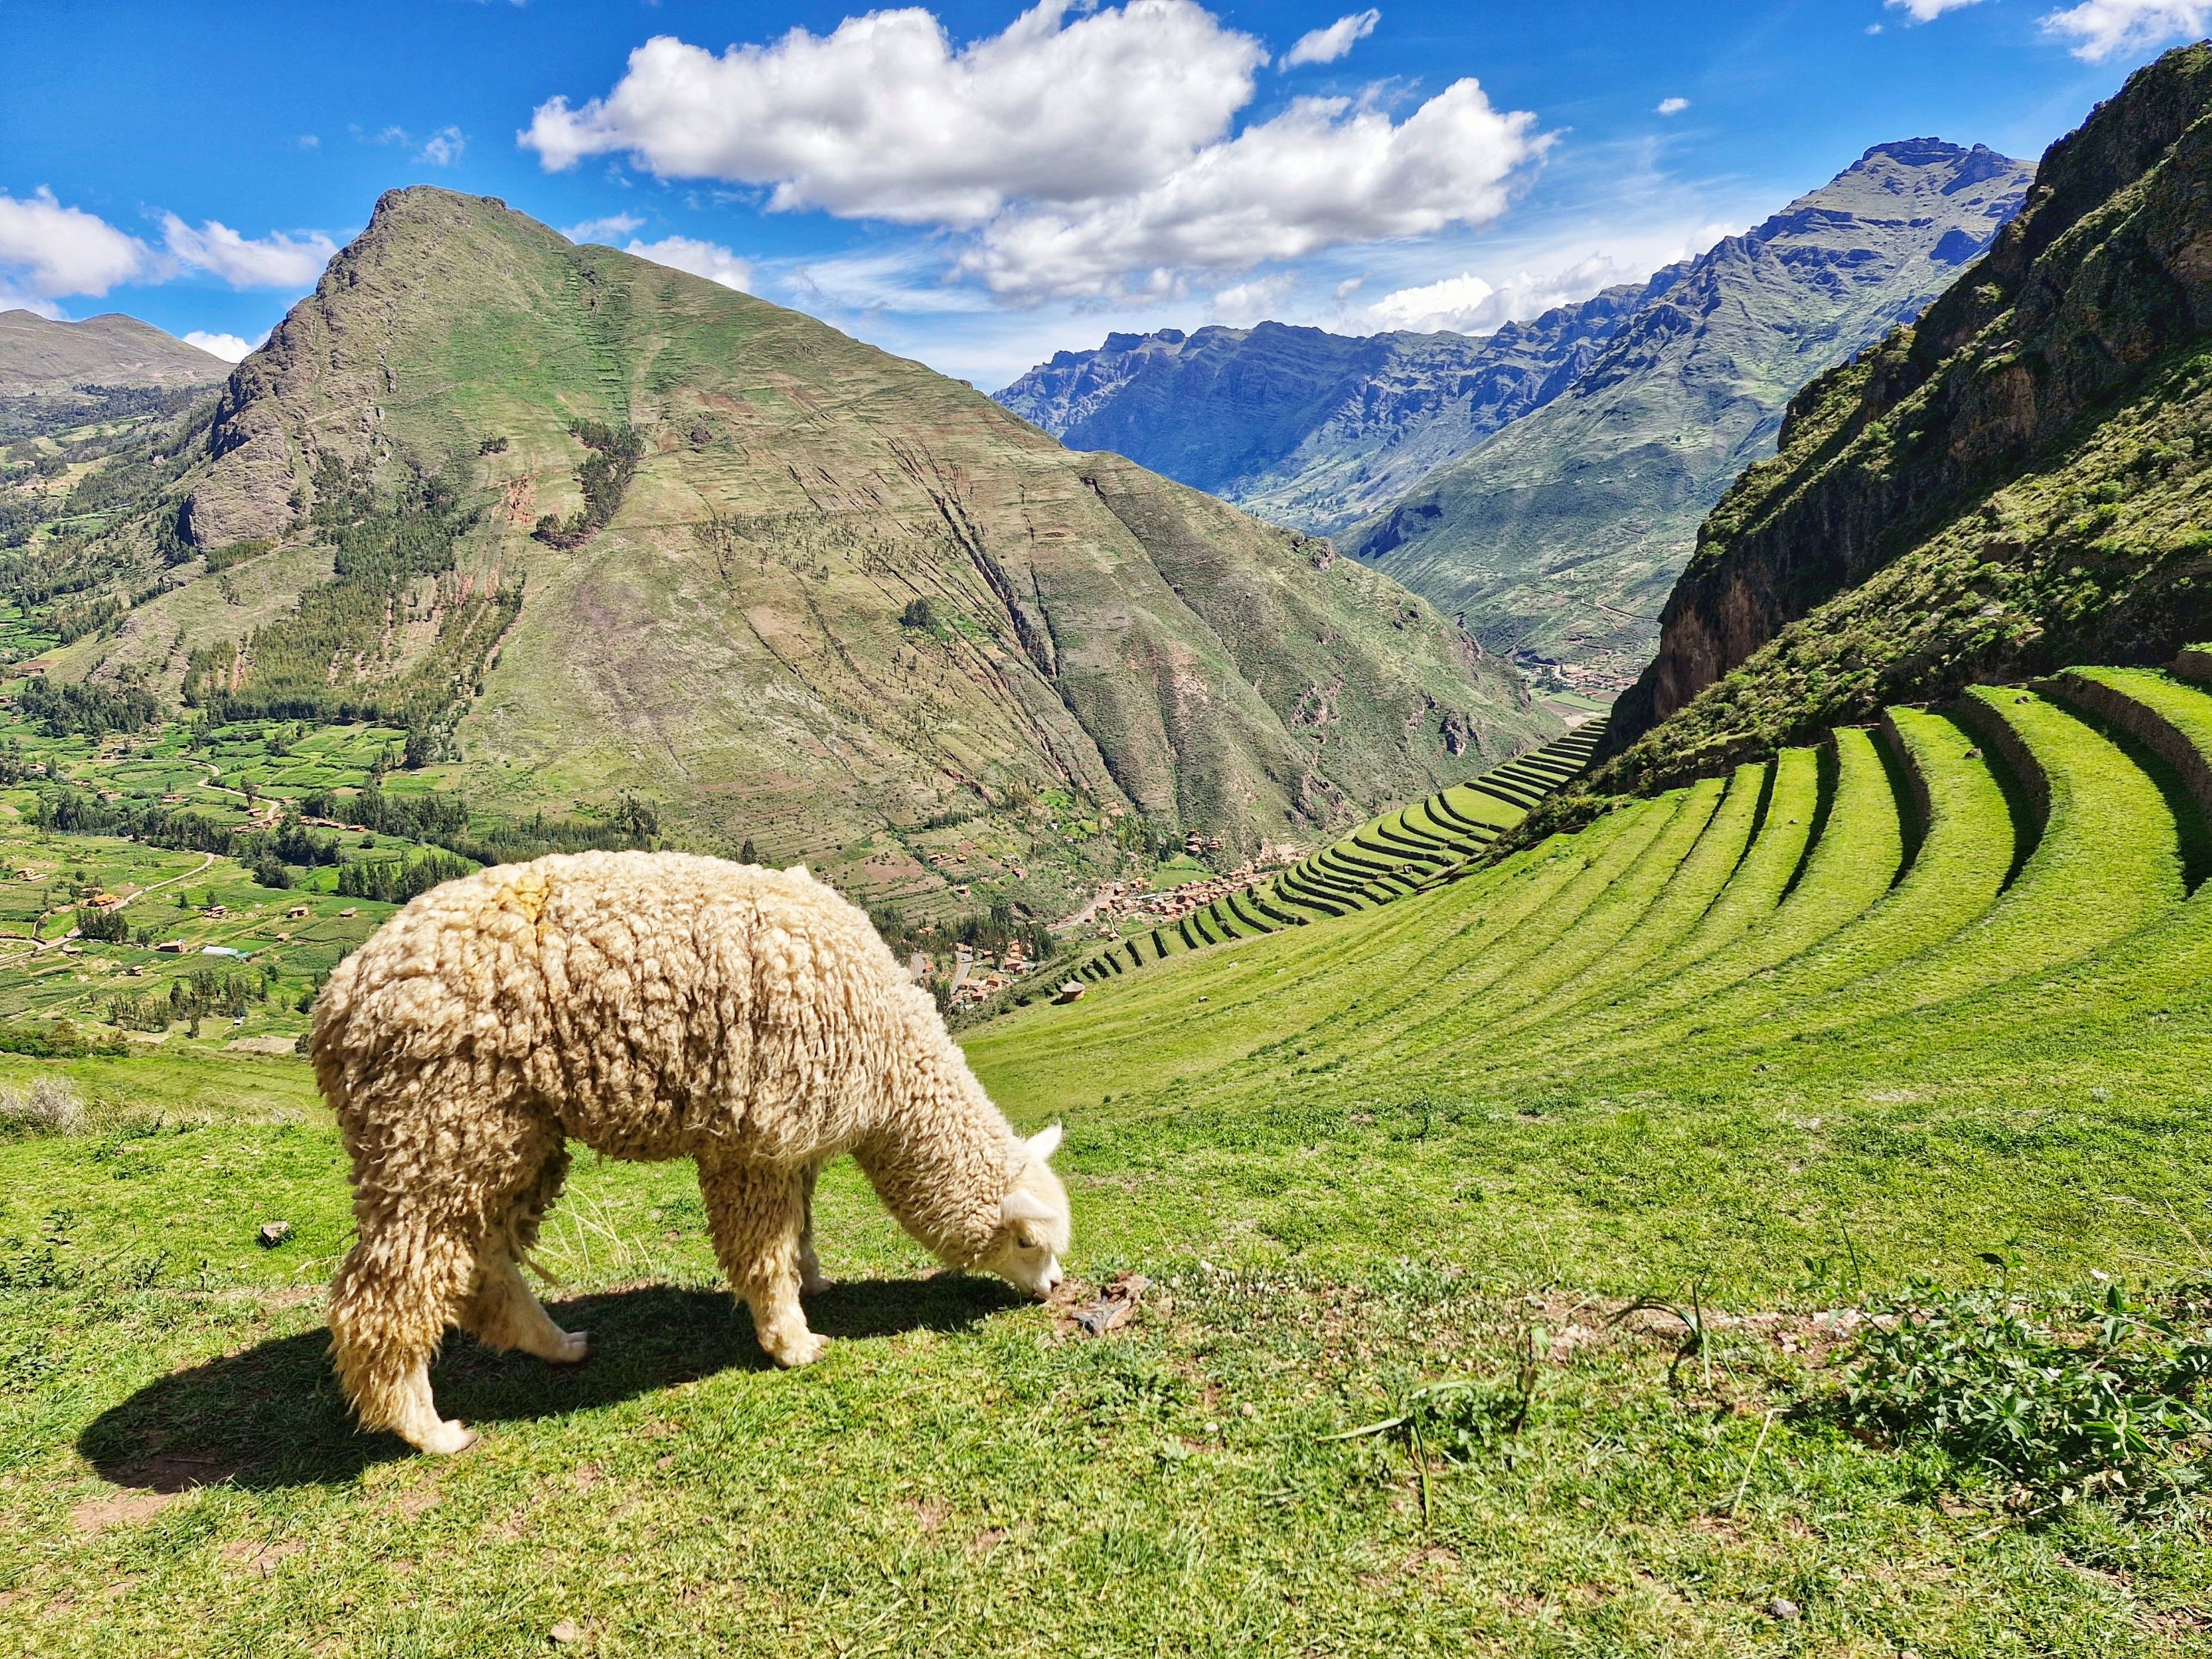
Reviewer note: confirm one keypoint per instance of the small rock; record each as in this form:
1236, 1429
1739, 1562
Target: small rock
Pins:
565, 1633
1781, 1607
1248, 1410
274, 1233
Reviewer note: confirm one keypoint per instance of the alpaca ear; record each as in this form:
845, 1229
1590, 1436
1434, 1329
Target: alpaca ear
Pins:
1020, 1205
1045, 1142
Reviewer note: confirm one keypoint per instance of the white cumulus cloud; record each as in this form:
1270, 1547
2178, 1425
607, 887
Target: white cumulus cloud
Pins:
277, 261
1467, 304
1322, 173
1080, 152
228, 347
2105, 29
708, 259
48, 250
600, 230
1326, 45
1673, 106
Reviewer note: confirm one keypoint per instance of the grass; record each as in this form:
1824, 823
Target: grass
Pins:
1416, 1167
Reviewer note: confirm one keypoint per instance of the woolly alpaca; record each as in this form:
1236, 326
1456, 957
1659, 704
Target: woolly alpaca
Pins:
650, 1006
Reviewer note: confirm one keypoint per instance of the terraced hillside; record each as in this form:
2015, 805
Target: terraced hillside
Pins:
1935, 984
1407, 850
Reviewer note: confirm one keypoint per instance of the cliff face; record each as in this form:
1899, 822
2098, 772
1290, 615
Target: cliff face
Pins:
1975, 458
1563, 533
1303, 426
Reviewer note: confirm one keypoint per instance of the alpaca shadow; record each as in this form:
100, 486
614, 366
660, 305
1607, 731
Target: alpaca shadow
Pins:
272, 1415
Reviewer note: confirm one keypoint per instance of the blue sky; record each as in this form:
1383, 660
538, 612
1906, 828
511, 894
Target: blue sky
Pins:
975, 184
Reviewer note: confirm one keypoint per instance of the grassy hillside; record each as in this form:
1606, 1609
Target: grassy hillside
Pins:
1858, 1021
1563, 534
40, 356
2015, 483
593, 525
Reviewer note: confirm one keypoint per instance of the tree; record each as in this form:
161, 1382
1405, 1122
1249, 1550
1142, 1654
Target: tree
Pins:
918, 614
749, 853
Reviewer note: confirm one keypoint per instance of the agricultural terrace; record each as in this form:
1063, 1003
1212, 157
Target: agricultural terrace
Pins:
1406, 850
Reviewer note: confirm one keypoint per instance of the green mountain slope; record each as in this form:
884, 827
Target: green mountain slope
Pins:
1562, 535
593, 525
2017, 482
41, 356
1306, 428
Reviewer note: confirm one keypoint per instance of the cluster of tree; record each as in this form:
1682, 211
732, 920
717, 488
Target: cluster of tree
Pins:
103, 926
604, 475
82, 709
394, 882
416, 817
332, 659
993, 931
202, 993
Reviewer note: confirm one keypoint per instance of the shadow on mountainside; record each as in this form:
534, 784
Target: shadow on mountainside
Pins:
272, 1416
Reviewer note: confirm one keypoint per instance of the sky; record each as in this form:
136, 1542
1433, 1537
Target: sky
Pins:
978, 186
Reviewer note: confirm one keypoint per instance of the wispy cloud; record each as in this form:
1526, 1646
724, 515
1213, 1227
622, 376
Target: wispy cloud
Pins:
602, 230
1326, 45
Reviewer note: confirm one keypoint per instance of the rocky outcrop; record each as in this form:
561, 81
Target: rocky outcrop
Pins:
2108, 266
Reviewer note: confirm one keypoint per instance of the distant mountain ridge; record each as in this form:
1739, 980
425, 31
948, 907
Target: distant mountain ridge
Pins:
1543, 482
38, 356
1303, 427
1563, 534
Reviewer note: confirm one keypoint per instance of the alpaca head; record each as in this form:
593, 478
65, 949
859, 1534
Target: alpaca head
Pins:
1033, 1226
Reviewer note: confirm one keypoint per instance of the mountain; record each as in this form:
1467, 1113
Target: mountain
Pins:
38, 356
589, 526
2017, 482
1303, 426
1562, 534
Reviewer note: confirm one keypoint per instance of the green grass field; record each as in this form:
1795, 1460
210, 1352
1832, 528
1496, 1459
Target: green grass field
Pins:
1762, 1049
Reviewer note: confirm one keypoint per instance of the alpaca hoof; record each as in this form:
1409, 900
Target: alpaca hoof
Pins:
447, 1438
802, 1350
814, 1283
574, 1348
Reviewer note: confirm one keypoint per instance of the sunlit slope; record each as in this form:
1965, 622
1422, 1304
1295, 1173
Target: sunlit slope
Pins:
1404, 851
1936, 985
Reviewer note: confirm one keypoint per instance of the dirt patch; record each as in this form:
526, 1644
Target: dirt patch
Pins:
261, 1045
985, 1541
259, 1557
930, 1513
123, 1510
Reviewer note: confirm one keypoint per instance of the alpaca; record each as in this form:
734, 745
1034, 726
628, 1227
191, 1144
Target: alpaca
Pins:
650, 1006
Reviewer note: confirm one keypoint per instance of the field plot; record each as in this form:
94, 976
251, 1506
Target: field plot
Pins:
1509, 1251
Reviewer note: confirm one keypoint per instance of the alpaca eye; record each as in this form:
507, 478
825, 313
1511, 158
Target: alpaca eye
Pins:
1025, 1242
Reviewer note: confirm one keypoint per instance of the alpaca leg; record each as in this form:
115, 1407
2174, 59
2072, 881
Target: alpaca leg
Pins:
389, 1304
502, 1311
812, 1281
756, 1214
